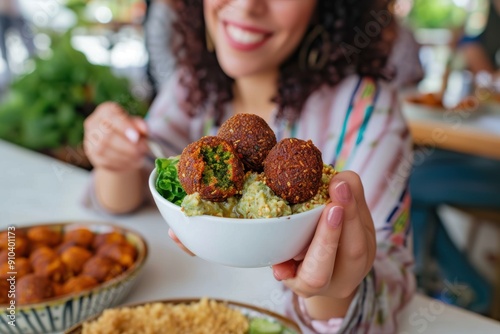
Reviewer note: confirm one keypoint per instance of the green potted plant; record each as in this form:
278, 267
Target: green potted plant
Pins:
44, 110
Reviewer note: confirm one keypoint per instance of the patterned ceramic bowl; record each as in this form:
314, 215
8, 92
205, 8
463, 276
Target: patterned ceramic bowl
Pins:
57, 314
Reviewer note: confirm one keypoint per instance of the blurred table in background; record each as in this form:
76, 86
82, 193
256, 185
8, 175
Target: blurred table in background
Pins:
471, 132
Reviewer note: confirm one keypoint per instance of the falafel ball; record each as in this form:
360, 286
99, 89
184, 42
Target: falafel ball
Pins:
4, 291
65, 245
19, 240
211, 167
21, 267
74, 258
108, 238
293, 170
55, 270
33, 288
80, 236
101, 268
252, 138
123, 253
79, 283
44, 235
4, 256
42, 256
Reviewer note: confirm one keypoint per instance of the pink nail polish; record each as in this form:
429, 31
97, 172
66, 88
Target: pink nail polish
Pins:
132, 135
343, 192
335, 216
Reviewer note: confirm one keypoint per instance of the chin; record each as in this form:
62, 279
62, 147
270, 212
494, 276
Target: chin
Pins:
239, 67
236, 69
236, 73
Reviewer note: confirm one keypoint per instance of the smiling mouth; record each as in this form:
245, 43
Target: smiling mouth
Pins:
245, 38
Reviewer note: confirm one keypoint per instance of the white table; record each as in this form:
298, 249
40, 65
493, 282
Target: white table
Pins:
476, 133
35, 188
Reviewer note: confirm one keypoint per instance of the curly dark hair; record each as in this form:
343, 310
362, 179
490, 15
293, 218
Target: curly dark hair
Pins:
208, 86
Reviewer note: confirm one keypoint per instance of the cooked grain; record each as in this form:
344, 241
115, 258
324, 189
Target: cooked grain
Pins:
203, 317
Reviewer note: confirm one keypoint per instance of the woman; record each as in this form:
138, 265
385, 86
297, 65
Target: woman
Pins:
310, 69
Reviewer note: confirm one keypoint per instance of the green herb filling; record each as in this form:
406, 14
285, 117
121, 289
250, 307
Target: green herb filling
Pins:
217, 169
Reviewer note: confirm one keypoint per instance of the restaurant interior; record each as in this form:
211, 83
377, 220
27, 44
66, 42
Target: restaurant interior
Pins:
63, 59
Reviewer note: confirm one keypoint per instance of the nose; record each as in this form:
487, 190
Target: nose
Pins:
249, 7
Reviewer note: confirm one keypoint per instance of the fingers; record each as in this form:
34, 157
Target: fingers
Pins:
301, 255
113, 140
347, 190
113, 160
172, 236
347, 186
358, 234
315, 272
140, 125
317, 266
344, 242
119, 144
115, 117
285, 270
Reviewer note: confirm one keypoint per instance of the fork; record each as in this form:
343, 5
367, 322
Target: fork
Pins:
155, 148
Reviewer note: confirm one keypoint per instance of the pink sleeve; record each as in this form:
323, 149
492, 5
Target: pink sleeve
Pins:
167, 123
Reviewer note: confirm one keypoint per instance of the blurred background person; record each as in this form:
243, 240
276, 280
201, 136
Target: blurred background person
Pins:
158, 33
482, 52
12, 19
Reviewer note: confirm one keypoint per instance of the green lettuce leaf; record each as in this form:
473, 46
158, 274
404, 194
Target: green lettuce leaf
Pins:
167, 181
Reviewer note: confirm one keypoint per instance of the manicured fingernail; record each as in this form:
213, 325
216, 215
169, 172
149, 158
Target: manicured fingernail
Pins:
343, 192
335, 216
132, 135
276, 276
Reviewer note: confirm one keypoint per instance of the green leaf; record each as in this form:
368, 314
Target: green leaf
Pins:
65, 115
167, 182
75, 135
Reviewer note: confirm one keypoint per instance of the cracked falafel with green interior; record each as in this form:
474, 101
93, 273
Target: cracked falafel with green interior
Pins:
293, 170
211, 167
252, 138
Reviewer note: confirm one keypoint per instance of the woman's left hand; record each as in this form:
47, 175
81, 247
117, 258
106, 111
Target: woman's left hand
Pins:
340, 254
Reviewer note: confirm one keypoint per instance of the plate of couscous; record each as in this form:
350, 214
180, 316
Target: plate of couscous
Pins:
194, 316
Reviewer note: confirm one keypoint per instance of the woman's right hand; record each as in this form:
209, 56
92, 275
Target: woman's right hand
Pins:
113, 140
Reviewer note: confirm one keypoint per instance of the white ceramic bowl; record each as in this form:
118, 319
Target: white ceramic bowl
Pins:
245, 243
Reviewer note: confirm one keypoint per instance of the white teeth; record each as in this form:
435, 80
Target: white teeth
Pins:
244, 36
